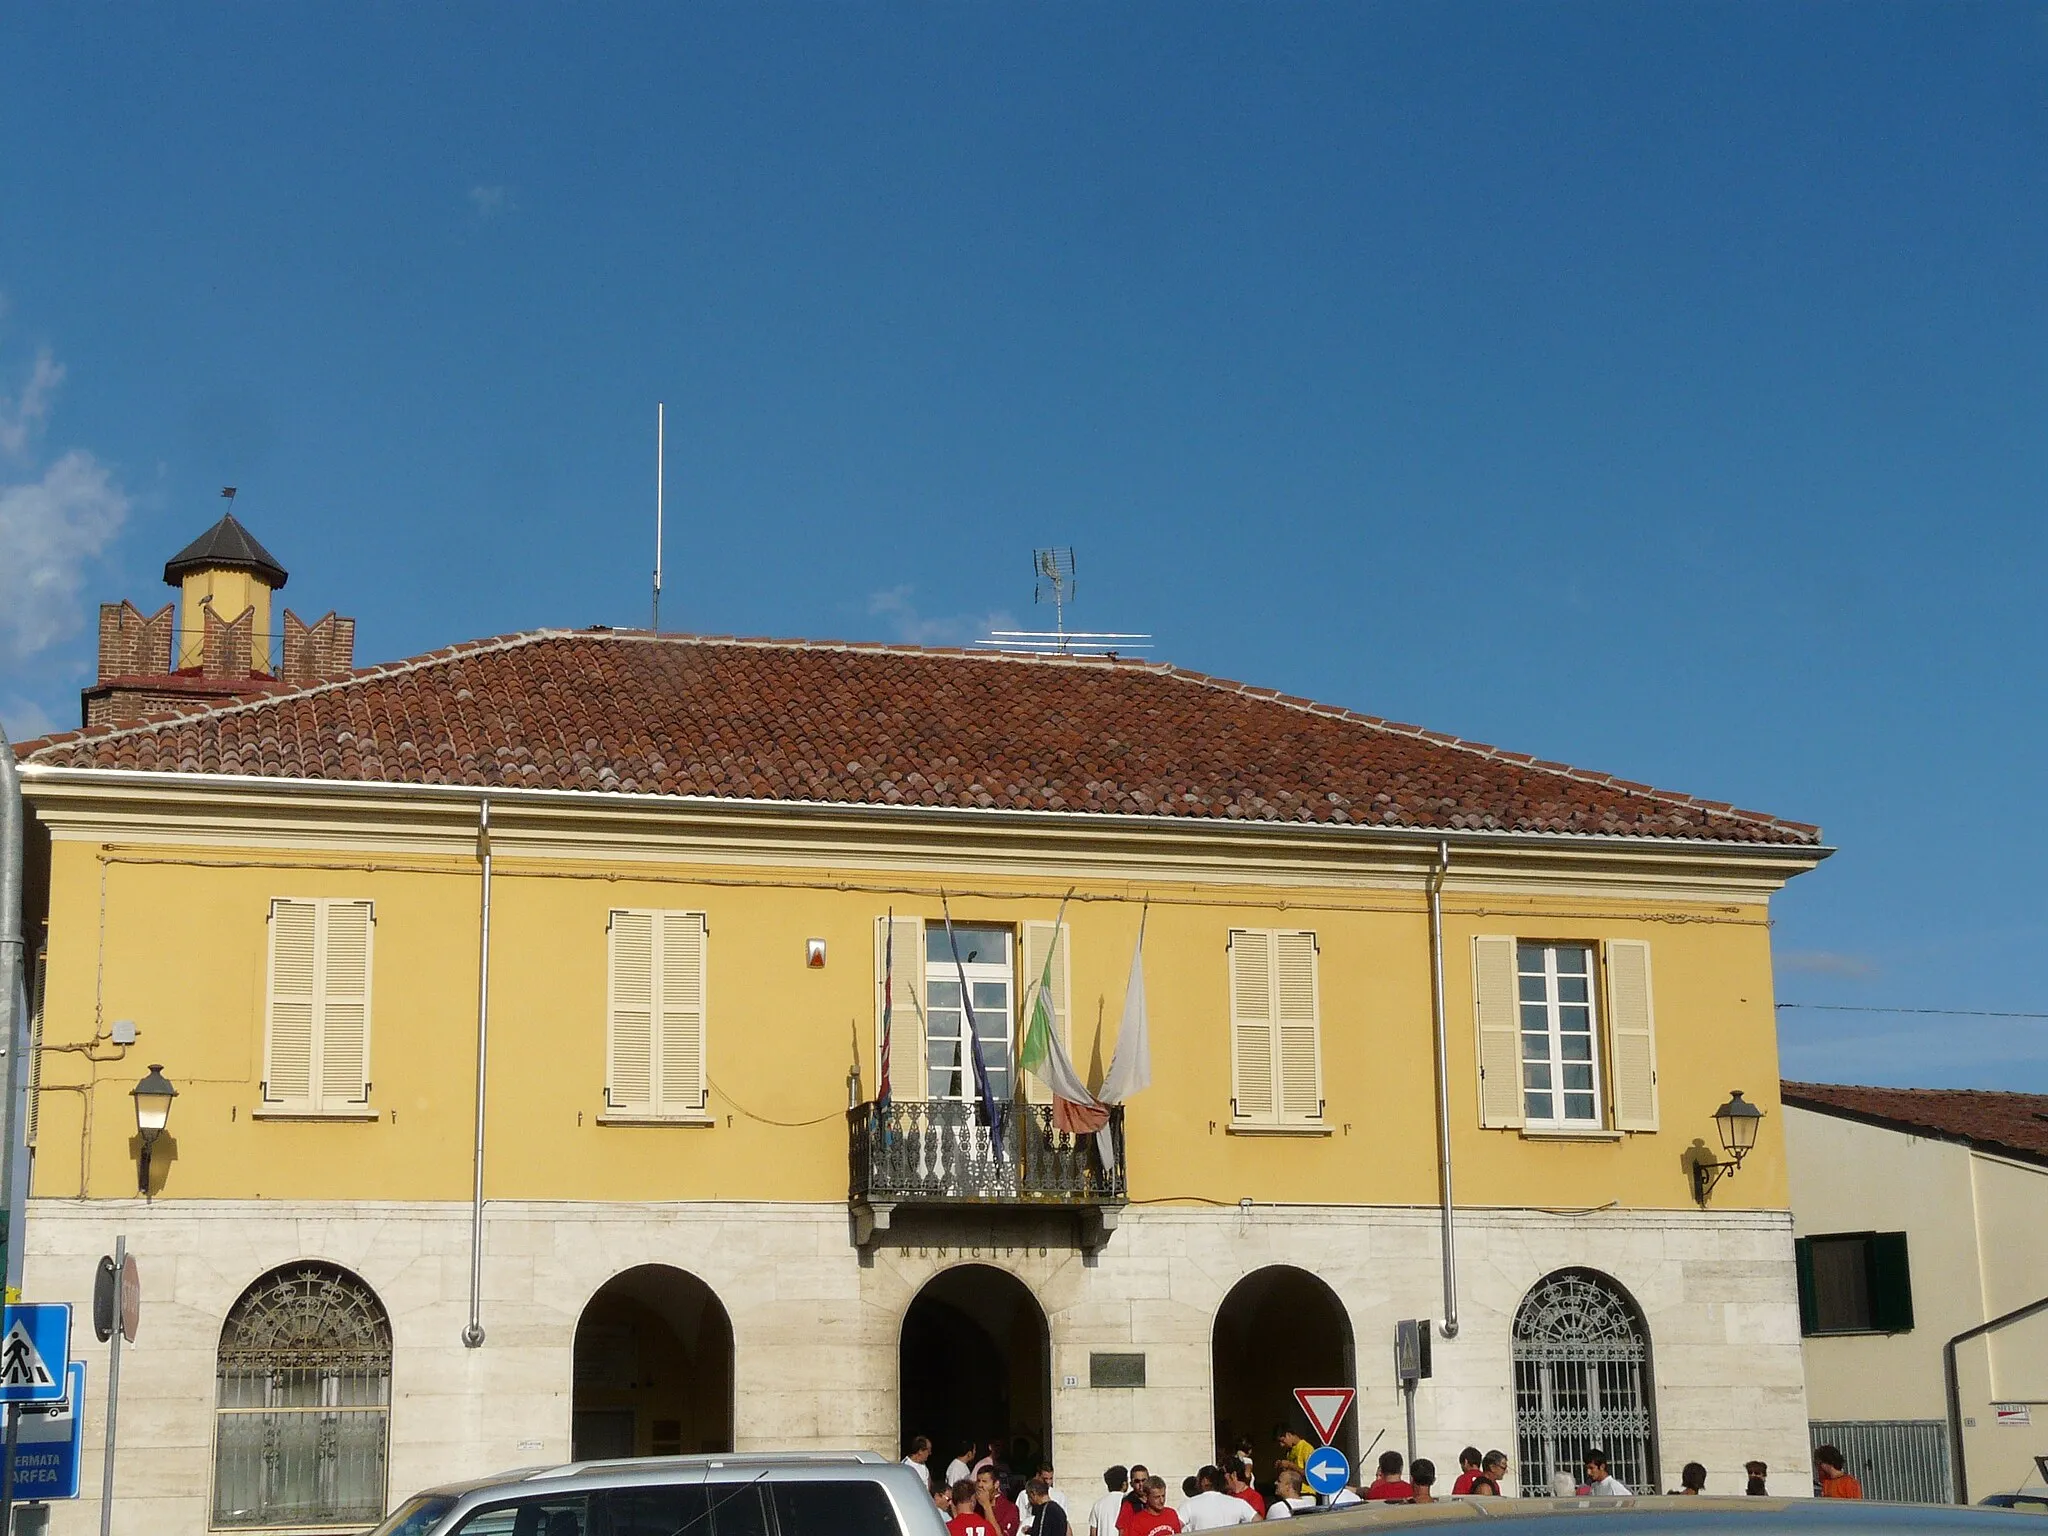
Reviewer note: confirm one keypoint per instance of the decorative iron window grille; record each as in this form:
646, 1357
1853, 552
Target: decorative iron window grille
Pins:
302, 1411
1582, 1380
940, 1151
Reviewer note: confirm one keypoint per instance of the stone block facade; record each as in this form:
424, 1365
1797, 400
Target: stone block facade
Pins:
816, 1327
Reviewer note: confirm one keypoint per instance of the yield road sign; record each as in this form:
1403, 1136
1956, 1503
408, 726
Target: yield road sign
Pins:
35, 1344
1325, 1407
1327, 1470
50, 1441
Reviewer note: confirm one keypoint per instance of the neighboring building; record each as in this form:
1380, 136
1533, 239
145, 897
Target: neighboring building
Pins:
699, 860
215, 643
1922, 1213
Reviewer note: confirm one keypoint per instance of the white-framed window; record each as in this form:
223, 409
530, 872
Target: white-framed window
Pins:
1560, 1040
316, 1034
986, 961
1276, 1053
655, 1006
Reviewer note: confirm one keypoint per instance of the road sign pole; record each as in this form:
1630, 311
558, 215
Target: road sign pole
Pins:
114, 1390
1408, 1392
7, 1468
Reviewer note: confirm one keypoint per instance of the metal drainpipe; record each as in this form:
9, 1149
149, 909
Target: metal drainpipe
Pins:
1957, 1475
11, 879
473, 1335
1449, 1326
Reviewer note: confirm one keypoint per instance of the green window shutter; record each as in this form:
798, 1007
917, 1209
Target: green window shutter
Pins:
1891, 1283
1809, 1309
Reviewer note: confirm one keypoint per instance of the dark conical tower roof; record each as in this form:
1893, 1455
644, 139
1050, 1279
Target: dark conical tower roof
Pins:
227, 545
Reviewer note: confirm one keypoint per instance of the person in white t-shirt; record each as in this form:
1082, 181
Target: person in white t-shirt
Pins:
1053, 1491
1601, 1483
959, 1469
1102, 1518
1212, 1509
919, 1454
1288, 1500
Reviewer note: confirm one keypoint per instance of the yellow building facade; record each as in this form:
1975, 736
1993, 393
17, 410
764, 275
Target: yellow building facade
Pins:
1447, 1055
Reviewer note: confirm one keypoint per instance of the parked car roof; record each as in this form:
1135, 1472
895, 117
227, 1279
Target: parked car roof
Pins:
1663, 1515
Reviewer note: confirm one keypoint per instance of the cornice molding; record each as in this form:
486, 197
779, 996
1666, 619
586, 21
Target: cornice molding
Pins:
326, 818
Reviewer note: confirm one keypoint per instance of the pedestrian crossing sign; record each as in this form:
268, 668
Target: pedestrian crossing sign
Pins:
35, 1346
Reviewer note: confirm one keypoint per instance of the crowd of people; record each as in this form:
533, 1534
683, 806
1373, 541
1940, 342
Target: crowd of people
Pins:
980, 1493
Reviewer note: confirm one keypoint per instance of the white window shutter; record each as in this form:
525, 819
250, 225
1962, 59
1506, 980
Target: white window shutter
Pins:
290, 1004
903, 964
1300, 1056
629, 1013
1631, 1036
679, 1041
342, 1035
39, 982
1252, 1049
1500, 1033
1038, 937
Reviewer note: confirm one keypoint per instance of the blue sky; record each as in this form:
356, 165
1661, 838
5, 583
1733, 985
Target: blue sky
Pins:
1659, 388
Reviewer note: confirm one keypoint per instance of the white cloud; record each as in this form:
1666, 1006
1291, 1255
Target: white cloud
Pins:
22, 417
490, 201
895, 608
25, 719
51, 527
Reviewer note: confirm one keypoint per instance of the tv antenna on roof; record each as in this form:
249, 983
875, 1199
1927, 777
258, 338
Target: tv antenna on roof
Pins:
660, 463
1054, 568
1053, 581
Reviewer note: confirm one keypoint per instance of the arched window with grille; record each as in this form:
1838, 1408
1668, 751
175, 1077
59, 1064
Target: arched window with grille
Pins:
1582, 1380
303, 1403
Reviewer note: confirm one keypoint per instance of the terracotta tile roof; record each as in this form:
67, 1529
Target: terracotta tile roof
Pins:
2015, 1124
888, 725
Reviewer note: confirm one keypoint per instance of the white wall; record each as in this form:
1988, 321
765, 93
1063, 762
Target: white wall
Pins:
1977, 1240
816, 1332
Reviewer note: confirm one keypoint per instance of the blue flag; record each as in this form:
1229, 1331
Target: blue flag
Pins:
990, 1112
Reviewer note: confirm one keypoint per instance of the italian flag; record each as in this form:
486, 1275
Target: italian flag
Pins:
1044, 1056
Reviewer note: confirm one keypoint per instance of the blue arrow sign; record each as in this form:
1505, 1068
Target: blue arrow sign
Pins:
35, 1346
51, 1439
1327, 1470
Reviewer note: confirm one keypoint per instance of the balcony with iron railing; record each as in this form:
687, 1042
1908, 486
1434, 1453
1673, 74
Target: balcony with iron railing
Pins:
941, 1153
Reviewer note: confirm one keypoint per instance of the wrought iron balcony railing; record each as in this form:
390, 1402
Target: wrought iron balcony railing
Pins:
940, 1152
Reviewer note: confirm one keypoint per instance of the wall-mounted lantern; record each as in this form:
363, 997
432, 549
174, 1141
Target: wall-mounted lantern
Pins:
1736, 1121
153, 1097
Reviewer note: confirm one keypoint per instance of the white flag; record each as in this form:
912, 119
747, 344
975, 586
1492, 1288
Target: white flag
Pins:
1130, 1070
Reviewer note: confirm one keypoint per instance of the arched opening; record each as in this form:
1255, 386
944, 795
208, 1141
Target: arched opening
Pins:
976, 1364
1582, 1379
302, 1402
653, 1371
1278, 1329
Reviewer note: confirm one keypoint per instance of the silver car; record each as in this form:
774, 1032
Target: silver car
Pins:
1669, 1515
855, 1494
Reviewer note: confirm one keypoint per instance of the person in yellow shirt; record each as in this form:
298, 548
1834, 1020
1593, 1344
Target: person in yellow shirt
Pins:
1297, 1449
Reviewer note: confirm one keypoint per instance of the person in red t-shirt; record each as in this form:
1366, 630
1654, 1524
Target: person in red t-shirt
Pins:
1155, 1519
1468, 1468
1390, 1486
988, 1498
1237, 1481
967, 1520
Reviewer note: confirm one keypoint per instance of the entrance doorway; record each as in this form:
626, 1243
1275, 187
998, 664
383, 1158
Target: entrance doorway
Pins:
976, 1364
1278, 1329
653, 1371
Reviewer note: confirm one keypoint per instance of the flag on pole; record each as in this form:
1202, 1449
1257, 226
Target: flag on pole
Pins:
1130, 1070
1045, 1053
888, 1006
989, 1110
